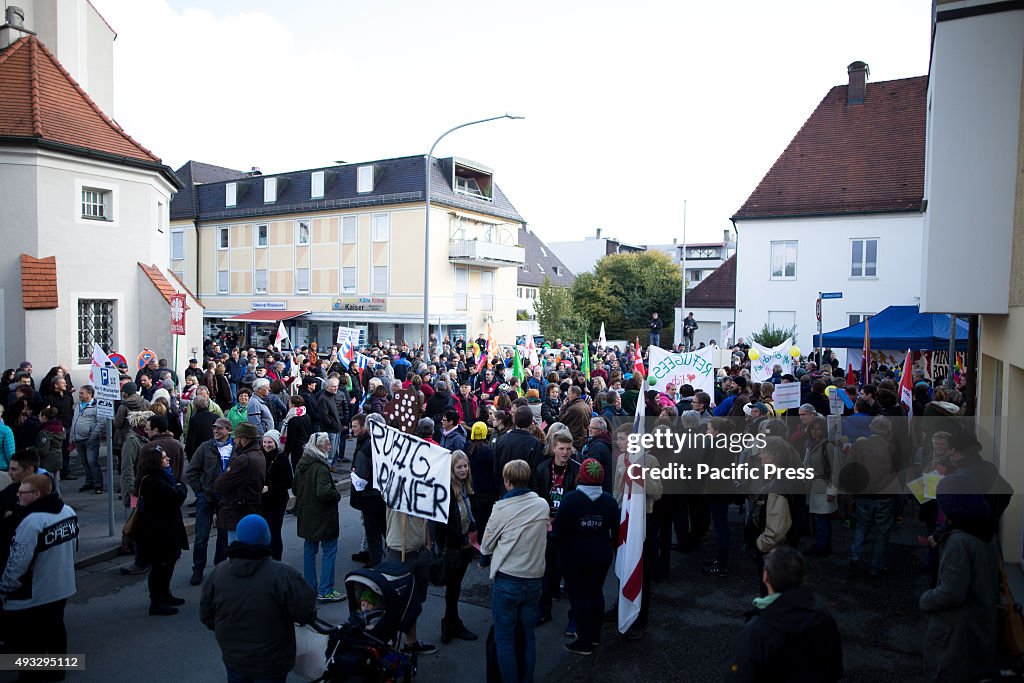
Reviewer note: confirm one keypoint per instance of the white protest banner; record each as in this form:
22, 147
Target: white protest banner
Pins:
413, 475
350, 334
786, 396
761, 369
695, 368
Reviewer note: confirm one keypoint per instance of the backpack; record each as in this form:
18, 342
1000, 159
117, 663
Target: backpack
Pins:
49, 447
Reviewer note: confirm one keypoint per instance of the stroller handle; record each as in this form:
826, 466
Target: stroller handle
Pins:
324, 628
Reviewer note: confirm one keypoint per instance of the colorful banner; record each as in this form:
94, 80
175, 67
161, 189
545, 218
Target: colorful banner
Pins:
761, 368
178, 309
695, 368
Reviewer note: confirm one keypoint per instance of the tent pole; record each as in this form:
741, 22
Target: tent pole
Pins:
972, 365
952, 351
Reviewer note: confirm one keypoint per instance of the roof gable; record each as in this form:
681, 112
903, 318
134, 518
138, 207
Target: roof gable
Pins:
864, 158
717, 290
42, 101
537, 253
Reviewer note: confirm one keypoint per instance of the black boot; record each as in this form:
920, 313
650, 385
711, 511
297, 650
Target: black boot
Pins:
158, 609
446, 632
459, 630
173, 601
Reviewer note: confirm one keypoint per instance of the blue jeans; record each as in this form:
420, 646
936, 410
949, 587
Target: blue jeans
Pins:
309, 551
515, 600
334, 448
89, 452
655, 338
877, 512
239, 677
822, 532
204, 523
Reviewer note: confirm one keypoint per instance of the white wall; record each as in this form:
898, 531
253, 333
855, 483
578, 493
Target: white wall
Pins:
18, 222
970, 173
711, 324
823, 264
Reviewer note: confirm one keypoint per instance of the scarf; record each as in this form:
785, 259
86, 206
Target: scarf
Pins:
294, 411
592, 491
763, 603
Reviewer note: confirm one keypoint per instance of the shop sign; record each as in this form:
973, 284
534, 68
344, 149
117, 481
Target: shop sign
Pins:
362, 303
268, 305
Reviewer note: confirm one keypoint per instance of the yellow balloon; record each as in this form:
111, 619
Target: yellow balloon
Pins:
753, 354
829, 390
794, 351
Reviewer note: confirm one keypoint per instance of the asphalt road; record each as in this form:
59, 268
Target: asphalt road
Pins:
693, 621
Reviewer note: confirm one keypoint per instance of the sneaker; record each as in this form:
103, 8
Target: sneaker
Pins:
577, 649
421, 647
333, 596
133, 569
715, 570
197, 578
462, 633
362, 556
86, 487
99, 492
570, 632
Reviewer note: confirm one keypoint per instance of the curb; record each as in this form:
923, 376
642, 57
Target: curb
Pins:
190, 527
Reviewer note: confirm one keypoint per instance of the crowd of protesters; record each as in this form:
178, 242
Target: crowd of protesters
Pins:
538, 471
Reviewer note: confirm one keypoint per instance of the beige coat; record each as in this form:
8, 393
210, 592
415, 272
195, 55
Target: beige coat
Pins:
652, 487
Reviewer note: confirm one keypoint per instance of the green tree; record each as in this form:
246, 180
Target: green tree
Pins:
624, 289
771, 336
555, 313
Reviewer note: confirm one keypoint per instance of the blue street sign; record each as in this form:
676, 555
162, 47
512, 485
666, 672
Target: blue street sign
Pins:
831, 295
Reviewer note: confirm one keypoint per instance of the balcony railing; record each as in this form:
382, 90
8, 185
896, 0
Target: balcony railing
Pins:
478, 252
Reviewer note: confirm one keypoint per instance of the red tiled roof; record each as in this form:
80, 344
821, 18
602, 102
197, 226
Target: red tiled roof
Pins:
159, 281
717, 290
41, 100
862, 158
38, 282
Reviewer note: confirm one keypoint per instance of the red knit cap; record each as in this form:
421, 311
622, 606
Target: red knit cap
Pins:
591, 473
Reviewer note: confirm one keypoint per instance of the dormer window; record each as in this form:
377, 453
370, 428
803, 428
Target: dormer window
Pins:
269, 190
469, 178
468, 186
364, 179
231, 194
556, 270
316, 182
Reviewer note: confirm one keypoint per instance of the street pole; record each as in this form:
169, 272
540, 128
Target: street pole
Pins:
427, 167
110, 478
952, 350
821, 313
682, 298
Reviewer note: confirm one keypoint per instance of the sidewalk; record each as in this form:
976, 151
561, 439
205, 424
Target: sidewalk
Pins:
95, 544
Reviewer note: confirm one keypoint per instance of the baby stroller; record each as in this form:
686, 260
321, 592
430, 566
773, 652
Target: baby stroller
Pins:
368, 647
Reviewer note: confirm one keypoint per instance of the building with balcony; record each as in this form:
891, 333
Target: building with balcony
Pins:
973, 242
839, 211
343, 245
702, 258
539, 266
582, 255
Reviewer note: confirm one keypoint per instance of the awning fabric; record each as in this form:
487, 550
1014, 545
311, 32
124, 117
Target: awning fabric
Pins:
265, 316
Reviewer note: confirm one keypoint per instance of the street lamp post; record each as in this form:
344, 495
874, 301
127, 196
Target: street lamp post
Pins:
426, 225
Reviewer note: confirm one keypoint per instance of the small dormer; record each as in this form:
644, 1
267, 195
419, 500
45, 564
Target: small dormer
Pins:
469, 178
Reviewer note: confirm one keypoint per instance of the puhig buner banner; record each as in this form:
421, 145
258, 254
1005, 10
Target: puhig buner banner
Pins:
695, 368
413, 475
761, 368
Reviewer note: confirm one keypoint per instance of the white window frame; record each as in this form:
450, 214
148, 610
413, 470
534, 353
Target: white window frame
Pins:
364, 179
97, 204
317, 184
861, 317
231, 194
298, 232
381, 231
863, 258
223, 287
180, 236
487, 290
221, 231
256, 289
349, 223
349, 273
540, 268
374, 289
266, 235
298, 288
111, 199
269, 190
783, 245
461, 290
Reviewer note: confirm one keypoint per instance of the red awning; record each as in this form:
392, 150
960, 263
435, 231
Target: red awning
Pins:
265, 316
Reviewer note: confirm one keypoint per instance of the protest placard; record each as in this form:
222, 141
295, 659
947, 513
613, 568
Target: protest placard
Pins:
786, 396
413, 475
695, 368
761, 367
404, 410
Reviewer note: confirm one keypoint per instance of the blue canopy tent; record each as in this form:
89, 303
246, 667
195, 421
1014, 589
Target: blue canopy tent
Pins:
899, 328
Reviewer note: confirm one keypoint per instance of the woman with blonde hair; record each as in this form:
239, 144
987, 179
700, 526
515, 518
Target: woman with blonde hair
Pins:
453, 540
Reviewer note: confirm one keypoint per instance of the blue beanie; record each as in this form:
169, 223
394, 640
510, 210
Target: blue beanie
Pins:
253, 530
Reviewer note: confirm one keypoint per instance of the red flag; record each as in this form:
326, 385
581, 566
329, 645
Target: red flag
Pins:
907, 385
178, 308
851, 378
638, 360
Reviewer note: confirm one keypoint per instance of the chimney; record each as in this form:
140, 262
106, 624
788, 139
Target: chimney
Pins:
13, 27
255, 171
597, 232
858, 86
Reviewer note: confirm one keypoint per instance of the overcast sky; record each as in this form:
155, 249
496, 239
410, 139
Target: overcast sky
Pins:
631, 108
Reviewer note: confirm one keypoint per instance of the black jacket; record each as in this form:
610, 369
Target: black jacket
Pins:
517, 444
549, 411
362, 466
540, 482
278, 479
327, 407
159, 531
792, 639
200, 430
300, 427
